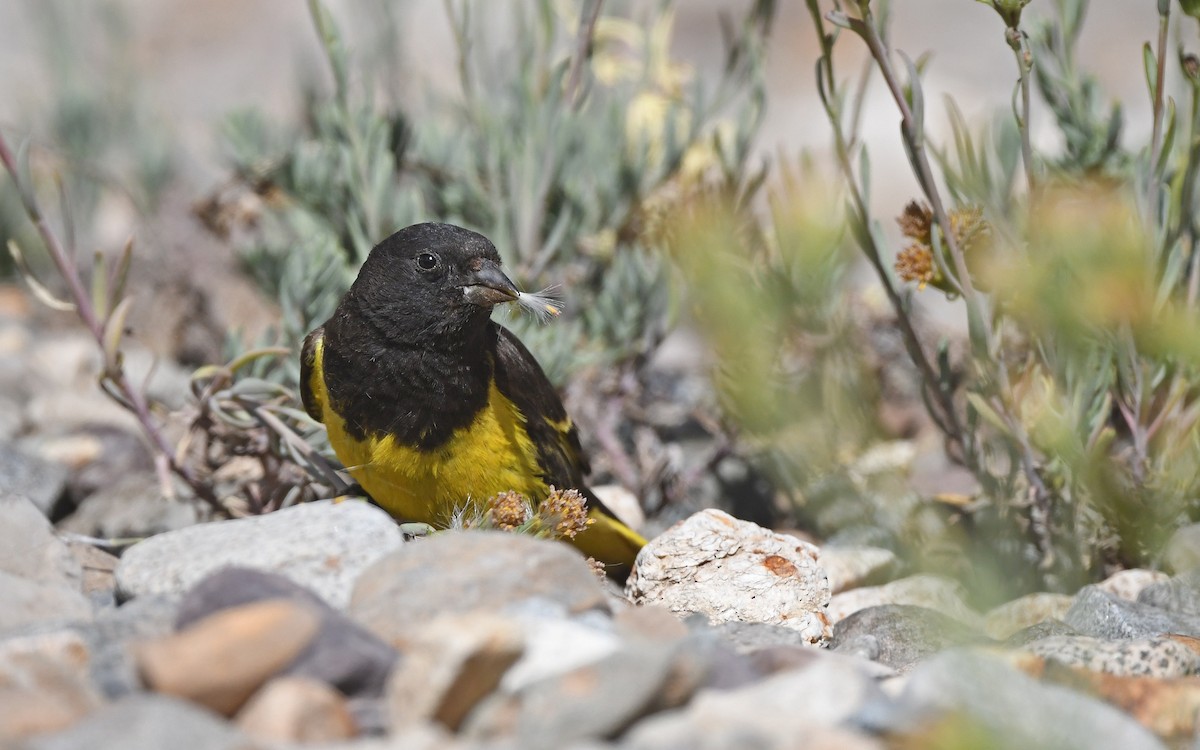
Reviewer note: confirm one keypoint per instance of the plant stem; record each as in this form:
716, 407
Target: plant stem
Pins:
1020, 47
1154, 193
129, 397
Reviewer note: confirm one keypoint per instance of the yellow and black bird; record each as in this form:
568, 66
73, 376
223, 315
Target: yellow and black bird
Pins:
433, 406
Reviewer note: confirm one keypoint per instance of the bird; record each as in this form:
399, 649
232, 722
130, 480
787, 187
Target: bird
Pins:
431, 405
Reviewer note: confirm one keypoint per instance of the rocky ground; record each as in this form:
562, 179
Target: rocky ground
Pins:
321, 625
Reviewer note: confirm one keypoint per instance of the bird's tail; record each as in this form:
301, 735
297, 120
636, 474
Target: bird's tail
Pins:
611, 542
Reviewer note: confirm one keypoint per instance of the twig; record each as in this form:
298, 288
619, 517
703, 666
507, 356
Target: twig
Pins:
129, 397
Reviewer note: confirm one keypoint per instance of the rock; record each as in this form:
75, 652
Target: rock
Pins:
734, 571
745, 637
28, 603
131, 508
296, 709
1128, 584
112, 635
554, 645
1103, 615
1182, 551
1161, 657
44, 684
322, 545
624, 504
145, 722
597, 701
221, 660
899, 635
933, 592
1009, 709
1168, 707
31, 549
1180, 594
98, 567
96, 456
1011, 617
450, 665
343, 654
464, 571
1044, 629
26, 475
781, 711
650, 622
851, 567
675, 737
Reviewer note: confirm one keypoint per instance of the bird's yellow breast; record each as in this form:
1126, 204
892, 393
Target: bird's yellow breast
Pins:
492, 454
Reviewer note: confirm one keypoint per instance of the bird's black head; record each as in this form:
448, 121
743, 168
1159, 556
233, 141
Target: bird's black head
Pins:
429, 284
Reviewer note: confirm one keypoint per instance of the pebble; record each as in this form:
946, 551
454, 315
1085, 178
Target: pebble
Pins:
1161, 657
343, 653
900, 635
450, 665
296, 710
934, 592
1128, 584
458, 572
26, 475
780, 711
222, 659
146, 722
1011, 617
1104, 615
322, 545
133, 507
30, 549
734, 571
27, 603
1180, 594
1009, 709
851, 567
44, 684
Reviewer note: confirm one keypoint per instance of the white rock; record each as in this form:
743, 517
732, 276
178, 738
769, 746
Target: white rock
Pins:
623, 503
734, 571
934, 592
1127, 584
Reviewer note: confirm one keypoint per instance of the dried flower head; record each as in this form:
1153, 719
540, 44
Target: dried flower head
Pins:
915, 263
916, 223
509, 510
598, 568
968, 227
565, 511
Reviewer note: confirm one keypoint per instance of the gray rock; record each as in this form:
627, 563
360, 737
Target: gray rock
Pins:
1182, 551
146, 722
27, 603
750, 636
1163, 657
900, 635
24, 474
132, 507
1180, 594
1104, 615
463, 571
781, 711
1015, 710
343, 654
31, 548
555, 644
322, 545
1044, 629
96, 456
597, 701
113, 634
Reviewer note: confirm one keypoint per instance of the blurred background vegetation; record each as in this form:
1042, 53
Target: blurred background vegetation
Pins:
970, 338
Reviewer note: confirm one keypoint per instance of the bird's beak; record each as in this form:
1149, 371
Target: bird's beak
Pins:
488, 286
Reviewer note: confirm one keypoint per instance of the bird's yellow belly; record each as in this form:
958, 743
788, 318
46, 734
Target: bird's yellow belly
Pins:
491, 455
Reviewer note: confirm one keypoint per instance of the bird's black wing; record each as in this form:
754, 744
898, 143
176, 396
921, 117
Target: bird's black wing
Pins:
521, 379
308, 358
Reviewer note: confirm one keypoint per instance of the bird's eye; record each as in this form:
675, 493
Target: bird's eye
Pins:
427, 261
